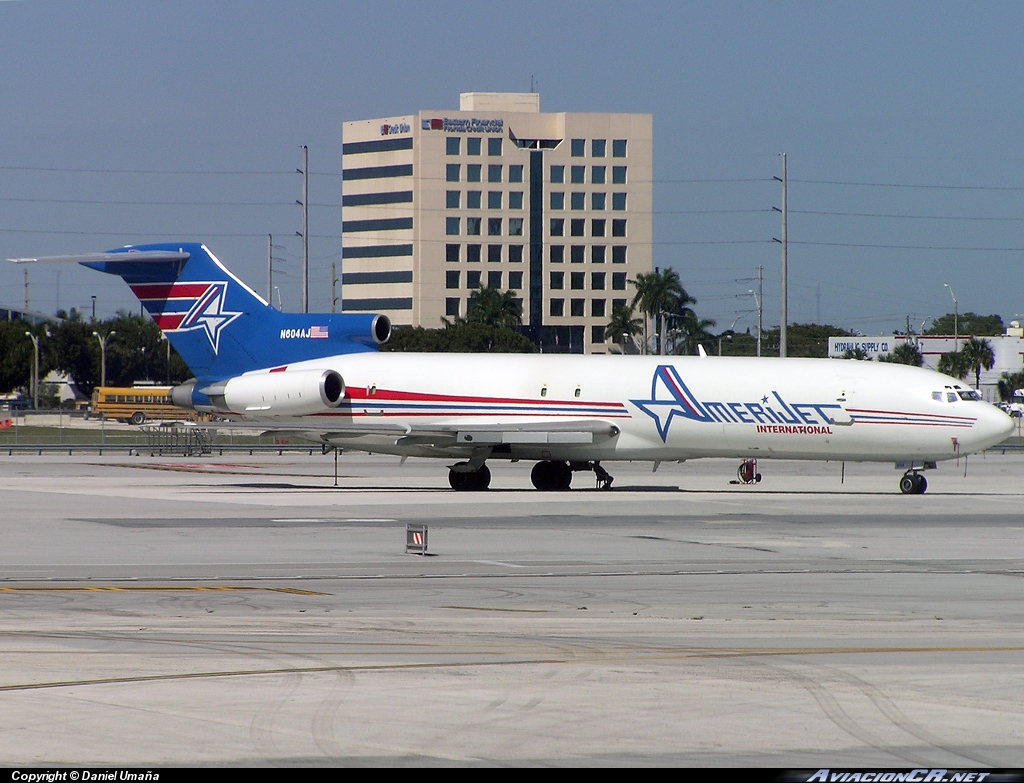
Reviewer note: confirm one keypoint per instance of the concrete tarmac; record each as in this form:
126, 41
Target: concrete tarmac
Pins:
244, 611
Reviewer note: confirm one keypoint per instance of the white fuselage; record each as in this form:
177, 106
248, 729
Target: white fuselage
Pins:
643, 408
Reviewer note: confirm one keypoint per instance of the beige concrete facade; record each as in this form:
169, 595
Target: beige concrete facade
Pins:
553, 206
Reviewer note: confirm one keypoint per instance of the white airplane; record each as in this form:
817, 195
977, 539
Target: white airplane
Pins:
319, 378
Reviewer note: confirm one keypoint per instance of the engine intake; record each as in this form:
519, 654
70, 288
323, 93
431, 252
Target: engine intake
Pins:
288, 393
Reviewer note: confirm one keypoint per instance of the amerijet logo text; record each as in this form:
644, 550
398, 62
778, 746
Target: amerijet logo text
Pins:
670, 398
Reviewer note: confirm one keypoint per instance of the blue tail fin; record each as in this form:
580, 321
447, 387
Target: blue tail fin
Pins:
220, 326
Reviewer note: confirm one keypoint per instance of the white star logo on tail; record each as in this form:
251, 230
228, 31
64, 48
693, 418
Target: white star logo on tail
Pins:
208, 314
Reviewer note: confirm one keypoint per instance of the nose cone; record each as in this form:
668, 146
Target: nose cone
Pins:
993, 426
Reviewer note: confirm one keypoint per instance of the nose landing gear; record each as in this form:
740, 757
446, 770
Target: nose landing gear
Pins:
913, 483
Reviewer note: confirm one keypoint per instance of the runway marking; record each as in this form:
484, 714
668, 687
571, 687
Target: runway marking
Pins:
494, 609
496, 563
156, 588
480, 664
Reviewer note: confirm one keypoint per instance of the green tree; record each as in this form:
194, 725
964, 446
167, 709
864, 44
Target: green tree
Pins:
979, 355
955, 364
691, 331
858, 353
967, 324
660, 294
16, 356
623, 324
1008, 383
802, 339
905, 353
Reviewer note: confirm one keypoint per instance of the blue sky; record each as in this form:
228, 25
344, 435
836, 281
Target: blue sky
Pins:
127, 122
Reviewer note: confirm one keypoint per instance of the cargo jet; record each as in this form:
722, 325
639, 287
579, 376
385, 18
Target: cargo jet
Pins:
322, 379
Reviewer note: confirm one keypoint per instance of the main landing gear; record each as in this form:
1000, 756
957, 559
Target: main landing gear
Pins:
464, 478
913, 483
557, 475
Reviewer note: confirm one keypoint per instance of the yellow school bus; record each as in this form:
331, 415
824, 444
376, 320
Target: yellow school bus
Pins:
135, 404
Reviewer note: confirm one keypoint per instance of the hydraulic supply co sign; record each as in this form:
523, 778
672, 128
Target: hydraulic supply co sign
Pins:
463, 125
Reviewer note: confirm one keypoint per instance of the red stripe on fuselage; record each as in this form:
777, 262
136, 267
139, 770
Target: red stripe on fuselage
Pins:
359, 393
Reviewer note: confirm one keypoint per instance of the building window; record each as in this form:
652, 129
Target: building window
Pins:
557, 254
494, 146
576, 307
473, 279
557, 227
577, 174
515, 254
597, 147
494, 227
473, 226
576, 254
494, 172
451, 253
452, 199
515, 173
578, 147
618, 303
557, 280
451, 226
473, 254
451, 145
597, 308
618, 201
557, 307
473, 199
597, 333
619, 254
515, 227
597, 281
597, 200
451, 304
473, 172
515, 281
451, 172
494, 199
451, 279
557, 200
515, 199
597, 254
577, 280
619, 227
618, 148
473, 145
578, 200
494, 253
494, 279
597, 227
618, 175
618, 281
558, 174
597, 175
577, 226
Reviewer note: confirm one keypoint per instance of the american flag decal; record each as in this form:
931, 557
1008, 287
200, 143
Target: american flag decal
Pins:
318, 332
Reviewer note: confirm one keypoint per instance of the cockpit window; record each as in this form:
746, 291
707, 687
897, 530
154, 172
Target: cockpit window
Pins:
937, 396
950, 396
969, 394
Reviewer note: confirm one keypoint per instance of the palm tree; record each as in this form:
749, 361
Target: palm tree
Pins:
492, 307
693, 330
954, 364
623, 325
660, 294
979, 354
905, 353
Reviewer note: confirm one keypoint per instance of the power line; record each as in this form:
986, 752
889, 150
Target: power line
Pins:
903, 185
907, 217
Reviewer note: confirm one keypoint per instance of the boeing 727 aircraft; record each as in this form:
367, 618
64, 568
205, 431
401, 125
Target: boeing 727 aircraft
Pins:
320, 378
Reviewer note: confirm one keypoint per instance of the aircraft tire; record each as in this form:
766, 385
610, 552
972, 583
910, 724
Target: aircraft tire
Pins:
908, 484
549, 476
922, 484
471, 480
483, 477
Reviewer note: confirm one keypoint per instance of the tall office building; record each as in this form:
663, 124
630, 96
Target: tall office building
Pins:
554, 207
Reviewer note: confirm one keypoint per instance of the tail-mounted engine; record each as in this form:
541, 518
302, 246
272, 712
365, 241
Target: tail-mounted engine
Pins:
285, 393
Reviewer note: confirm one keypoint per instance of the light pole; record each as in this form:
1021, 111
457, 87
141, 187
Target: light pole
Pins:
956, 319
94, 308
103, 355
168, 364
35, 371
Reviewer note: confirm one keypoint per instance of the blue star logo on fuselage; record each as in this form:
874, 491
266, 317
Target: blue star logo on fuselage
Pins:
670, 398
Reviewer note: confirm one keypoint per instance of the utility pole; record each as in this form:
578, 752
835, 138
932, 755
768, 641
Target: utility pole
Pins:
25, 270
35, 370
785, 247
334, 284
760, 295
304, 171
